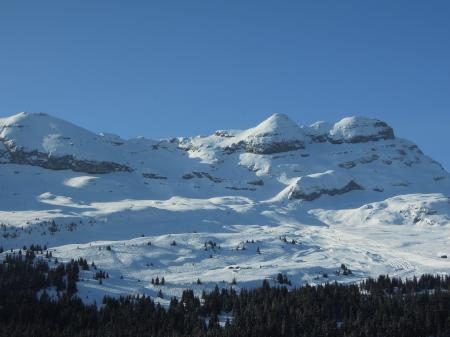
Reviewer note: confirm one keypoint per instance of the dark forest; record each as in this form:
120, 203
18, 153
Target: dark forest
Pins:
383, 307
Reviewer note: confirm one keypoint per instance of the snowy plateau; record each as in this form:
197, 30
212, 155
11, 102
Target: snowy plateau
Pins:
235, 205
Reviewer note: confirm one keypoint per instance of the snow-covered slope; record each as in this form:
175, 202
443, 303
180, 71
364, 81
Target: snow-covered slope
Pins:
278, 197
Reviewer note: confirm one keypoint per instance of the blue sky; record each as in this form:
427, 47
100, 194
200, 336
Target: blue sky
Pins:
170, 68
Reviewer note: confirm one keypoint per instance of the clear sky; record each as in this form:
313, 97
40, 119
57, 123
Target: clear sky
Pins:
172, 68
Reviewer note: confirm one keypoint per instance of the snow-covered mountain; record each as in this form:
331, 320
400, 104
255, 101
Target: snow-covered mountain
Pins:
248, 204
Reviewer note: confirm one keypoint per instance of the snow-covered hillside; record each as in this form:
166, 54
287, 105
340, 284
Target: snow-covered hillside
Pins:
248, 204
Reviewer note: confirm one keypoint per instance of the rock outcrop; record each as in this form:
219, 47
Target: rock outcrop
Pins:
66, 162
313, 186
264, 147
359, 130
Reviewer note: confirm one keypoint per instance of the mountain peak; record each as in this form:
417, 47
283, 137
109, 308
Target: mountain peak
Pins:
39, 131
43, 140
21, 116
277, 124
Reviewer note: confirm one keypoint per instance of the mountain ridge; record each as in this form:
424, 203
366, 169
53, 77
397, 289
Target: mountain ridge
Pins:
346, 192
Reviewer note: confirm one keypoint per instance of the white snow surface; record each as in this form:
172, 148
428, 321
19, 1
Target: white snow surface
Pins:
196, 190
351, 127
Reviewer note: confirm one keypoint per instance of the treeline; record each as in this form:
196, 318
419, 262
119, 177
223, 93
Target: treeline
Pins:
38, 298
383, 307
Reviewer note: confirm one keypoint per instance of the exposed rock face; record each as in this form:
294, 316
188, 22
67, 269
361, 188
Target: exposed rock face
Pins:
369, 159
265, 147
4, 154
153, 176
200, 175
298, 194
348, 164
67, 162
275, 147
234, 188
313, 186
258, 182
